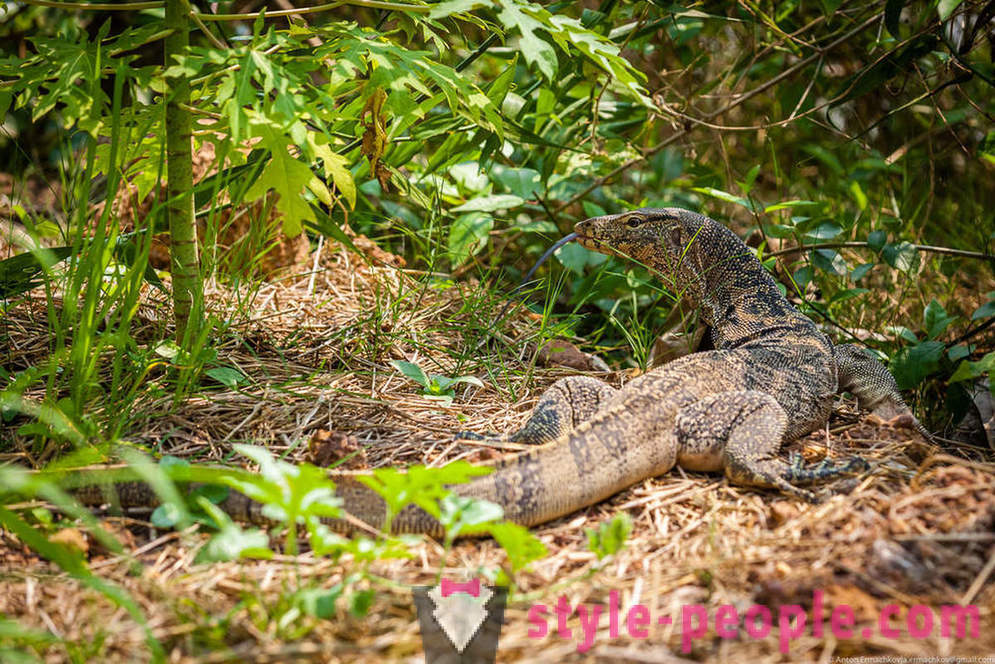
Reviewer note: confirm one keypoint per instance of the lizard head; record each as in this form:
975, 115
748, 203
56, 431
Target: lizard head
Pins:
667, 241
648, 235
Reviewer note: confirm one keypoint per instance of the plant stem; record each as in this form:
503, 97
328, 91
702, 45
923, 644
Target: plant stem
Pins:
185, 264
97, 6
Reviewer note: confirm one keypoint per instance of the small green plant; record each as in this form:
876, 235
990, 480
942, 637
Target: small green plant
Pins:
968, 370
435, 386
17, 642
16, 484
459, 515
927, 357
610, 536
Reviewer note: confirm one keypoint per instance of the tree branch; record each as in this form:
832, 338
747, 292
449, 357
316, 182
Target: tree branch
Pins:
963, 253
791, 71
372, 4
97, 6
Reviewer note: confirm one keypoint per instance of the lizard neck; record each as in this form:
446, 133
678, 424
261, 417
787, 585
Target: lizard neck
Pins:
738, 298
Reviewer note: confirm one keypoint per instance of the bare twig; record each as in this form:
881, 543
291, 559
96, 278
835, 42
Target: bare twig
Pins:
947, 251
372, 4
677, 135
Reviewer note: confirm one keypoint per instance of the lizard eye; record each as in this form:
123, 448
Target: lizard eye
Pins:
632, 222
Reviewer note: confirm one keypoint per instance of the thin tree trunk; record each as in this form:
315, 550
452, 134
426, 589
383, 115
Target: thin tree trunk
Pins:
185, 264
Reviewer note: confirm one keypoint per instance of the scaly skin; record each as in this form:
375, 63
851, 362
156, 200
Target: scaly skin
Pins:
771, 379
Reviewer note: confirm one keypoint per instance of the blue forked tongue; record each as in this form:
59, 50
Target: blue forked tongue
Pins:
542, 259
528, 275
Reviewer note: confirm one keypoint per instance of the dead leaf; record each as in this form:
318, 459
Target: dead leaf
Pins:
71, 538
560, 352
328, 447
375, 135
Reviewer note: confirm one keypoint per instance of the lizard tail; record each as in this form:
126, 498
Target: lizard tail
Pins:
873, 385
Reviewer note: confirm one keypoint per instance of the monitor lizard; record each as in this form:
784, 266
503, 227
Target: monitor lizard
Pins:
771, 378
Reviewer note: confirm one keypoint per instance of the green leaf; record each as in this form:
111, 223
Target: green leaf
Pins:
971, 370
958, 352
901, 256
803, 276
828, 260
424, 487
725, 196
460, 514
785, 205
986, 150
829, 7
232, 541
336, 167
290, 493
21, 273
501, 86
489, 203
592, 209
873, 77
521, 546
824, 231
858, 195
574, 257
450, 7
319, 602
904, 333
284, 174
468, 235
445, 383
876, 240
779, 230
11, 630
828, 159
230, 378
360, 602
946, 8
166, 516
986, 310
568, 33
936, 320
412, 371
522, 182
168, 349
847, 294
470, 177
535, 50
911, 365
861, 271
747, 184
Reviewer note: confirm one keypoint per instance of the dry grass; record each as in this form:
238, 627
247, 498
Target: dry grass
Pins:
919, 529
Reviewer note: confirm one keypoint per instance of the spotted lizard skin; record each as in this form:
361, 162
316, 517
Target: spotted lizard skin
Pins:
772, 377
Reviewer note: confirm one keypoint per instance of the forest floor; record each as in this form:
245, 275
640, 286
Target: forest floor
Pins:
918, 529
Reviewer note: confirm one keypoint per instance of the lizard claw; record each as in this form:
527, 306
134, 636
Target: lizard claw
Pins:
808, 496
473, 435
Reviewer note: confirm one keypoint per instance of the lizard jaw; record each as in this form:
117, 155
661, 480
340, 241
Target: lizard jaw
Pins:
585, 240
596, 245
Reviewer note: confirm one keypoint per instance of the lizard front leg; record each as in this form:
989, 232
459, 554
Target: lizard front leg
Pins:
741, 432
568, 402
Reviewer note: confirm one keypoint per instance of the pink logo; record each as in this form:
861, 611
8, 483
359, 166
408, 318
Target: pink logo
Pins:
469, 587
